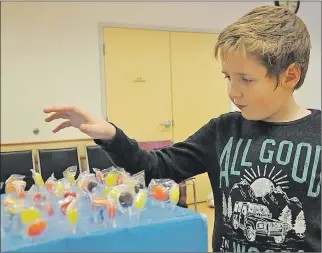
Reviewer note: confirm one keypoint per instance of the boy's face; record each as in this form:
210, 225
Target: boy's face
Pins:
252, 90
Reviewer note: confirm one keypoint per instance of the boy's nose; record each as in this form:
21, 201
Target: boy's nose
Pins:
234, 93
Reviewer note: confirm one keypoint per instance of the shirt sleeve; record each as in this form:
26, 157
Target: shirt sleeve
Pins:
178, 162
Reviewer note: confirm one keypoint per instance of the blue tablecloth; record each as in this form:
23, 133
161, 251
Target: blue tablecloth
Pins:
157, 230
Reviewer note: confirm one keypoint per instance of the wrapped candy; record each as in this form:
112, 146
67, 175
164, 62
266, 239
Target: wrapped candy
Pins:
123, 198
136, 182
161, 189
103, 207
59, 188
140, 201
85, 183
43, 203
19, 186
116, 176
64, 203
70, 174
10, 189
36, 228
174, 195
72, 213
100, 175
37, 178
100, 205
33, 224
51, 184
13, 210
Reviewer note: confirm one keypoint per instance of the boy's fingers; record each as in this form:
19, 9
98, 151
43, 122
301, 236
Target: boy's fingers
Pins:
63, 125
58, 115
61, 109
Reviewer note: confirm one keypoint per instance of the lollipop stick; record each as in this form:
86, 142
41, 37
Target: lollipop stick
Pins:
74, 229
162, 204
95, 217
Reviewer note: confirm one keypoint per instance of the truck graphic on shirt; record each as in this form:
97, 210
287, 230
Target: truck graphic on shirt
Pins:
256, 220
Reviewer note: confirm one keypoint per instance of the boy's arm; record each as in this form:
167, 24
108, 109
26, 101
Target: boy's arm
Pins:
179, 162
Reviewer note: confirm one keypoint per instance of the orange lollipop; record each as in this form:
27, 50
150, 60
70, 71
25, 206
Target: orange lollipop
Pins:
36, 228
9, 186
158, 193
111, 210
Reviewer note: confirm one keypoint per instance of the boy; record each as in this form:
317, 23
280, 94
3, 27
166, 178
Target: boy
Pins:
263, 162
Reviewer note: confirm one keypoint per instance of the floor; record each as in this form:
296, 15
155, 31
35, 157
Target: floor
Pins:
203, 208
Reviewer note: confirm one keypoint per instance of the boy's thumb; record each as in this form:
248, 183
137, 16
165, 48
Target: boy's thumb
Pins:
86, 128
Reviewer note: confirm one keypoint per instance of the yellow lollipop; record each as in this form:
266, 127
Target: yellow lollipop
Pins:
72, 216
140, 200
9, 201
70, 177
29, 215
111, 179
38, 179
115, 192
174, 194
59, 188
106, 191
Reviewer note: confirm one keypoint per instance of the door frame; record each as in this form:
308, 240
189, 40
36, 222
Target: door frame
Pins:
101, 27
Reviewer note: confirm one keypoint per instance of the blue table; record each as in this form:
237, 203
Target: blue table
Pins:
157, 230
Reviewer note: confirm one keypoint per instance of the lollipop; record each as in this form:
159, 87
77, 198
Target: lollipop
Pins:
65, 203
19, 186
36, 228
160, 190
174, 195
100, 175
10, 189
51, 183
111, 179
37, 178
140, 199
116, 176
72, 214
9, 201
111, 211
59, 188
29, 214
98, 207
70, 174
159, 193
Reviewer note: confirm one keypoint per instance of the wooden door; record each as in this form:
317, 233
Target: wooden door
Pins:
199, 91
138, 82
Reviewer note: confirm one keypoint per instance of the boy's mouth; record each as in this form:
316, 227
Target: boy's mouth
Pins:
240, 107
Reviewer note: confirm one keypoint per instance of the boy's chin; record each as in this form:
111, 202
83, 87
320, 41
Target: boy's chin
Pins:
253, 117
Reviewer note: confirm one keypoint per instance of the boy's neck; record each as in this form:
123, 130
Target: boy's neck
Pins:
291, 111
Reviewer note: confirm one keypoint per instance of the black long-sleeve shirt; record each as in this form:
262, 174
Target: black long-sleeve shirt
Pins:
265, 178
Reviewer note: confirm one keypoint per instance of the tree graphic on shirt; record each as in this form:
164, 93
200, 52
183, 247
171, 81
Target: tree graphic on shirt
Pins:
224, 206
300, 225
286, 216
229, 208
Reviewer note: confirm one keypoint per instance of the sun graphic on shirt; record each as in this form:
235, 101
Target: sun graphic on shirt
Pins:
266, 182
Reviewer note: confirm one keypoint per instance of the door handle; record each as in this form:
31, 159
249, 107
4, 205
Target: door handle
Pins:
167, 123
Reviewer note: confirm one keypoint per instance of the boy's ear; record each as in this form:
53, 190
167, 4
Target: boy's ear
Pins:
291, 76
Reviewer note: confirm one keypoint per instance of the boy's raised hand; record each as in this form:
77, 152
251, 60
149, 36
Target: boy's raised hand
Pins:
96, 128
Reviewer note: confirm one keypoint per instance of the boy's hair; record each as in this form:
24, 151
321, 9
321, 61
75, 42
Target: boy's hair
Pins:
277, 36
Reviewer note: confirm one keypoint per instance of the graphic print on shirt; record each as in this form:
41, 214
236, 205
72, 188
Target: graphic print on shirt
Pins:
255, 205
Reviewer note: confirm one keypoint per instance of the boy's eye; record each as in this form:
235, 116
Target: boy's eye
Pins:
227, 77
246, 80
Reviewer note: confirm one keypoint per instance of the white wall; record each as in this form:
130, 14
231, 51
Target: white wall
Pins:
50, 53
